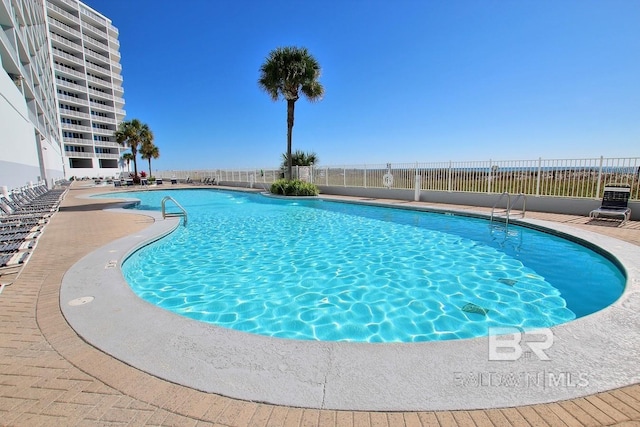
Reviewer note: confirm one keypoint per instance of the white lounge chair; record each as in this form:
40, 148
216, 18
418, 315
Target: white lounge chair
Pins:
615, 203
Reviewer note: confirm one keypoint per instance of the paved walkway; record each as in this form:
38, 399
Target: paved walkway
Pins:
50, 377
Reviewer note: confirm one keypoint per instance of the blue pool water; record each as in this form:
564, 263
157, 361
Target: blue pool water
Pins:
319, 270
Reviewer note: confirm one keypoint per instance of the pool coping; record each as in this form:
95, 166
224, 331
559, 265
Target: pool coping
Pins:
592, 354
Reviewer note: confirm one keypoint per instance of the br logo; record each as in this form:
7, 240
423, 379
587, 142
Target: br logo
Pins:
512, 343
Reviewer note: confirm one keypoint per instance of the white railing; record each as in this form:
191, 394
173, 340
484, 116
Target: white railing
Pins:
584, 178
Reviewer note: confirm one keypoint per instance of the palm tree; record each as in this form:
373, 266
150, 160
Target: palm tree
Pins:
300, 158
286, 72
149, 151
131, 134
127, 157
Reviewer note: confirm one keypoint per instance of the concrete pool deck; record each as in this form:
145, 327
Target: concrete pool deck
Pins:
49, 375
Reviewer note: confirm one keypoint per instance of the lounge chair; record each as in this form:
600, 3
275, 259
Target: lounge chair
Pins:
614, 203
13, 247
10, 260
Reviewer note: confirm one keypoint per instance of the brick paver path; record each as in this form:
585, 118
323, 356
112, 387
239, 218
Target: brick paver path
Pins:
50, 377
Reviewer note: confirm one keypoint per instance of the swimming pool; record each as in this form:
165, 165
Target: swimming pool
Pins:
320, 270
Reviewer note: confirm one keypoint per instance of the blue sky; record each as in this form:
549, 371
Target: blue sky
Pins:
405, 81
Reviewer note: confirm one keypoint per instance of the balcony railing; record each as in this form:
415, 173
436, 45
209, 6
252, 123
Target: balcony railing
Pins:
72, 99
581, 178
77, 141
107, 156
64, 27
98, 106
63, 12
98, 56
105, 132
89, 39
69, 71
64, 83
100, 119
70, 113
102, 82
80, 154
66, 42
70, 58
100, 32
67, 126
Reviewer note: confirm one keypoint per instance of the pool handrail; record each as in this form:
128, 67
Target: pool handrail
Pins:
183, 212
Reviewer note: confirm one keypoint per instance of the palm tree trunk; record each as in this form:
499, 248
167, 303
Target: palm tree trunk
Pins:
290, 107
149, 167
135, 164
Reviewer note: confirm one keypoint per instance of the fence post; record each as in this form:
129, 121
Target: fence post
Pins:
344, 176
449, 178
365, 176
418, 185
326, 176
490, 178
539, 176
599, 178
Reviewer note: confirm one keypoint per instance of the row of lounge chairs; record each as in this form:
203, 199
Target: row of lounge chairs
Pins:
23, 216
209, 181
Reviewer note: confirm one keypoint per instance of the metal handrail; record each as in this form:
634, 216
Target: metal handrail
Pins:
506, 211
165, 214
510, 205
524, 204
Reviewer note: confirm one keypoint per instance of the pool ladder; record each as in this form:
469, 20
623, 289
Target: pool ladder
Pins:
182, 213
508, 212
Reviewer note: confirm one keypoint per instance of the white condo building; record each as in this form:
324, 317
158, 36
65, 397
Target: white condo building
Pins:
61, 95
30, 139
88, 79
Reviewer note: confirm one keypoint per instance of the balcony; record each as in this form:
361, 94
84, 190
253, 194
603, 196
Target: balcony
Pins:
97, 43
102, 95
98, 69
101, 107
73, 59
72, 99
100, 119
115, 55
93, 17
108, 144
64, 27
77, 141
66, 84
104, 132
70, 113
58, 13
94, 30
69, 71
67, 43
100, 82
69, 3
79, 154
97, 56
67, 126
107, 156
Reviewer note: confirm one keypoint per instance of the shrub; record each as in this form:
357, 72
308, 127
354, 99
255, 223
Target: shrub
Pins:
294, 187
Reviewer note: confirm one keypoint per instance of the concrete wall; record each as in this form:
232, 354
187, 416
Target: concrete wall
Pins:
552, 204
19, 160
24, 158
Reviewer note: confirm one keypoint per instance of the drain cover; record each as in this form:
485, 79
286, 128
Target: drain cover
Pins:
80, 301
